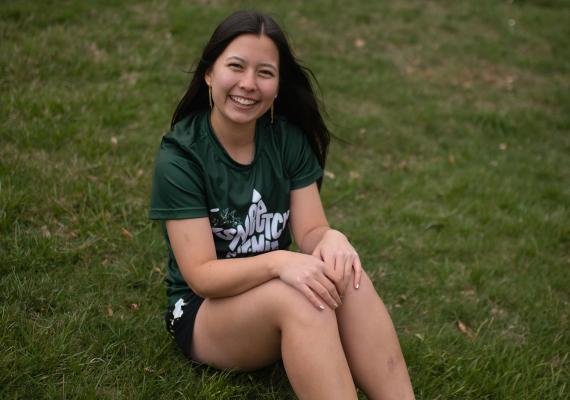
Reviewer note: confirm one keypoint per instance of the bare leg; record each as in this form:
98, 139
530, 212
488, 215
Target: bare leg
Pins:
371, 345
255, 328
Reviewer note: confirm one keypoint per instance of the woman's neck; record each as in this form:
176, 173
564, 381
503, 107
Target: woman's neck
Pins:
237, 139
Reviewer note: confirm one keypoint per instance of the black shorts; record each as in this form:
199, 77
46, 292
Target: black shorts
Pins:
180, 319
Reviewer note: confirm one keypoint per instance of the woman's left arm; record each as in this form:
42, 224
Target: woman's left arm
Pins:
313, 235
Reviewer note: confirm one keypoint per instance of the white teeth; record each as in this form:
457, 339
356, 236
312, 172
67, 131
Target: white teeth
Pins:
241, 100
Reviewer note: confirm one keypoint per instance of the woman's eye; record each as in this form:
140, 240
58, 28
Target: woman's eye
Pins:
234, 66
267, 74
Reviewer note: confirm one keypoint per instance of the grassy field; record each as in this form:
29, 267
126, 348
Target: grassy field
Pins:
454, 187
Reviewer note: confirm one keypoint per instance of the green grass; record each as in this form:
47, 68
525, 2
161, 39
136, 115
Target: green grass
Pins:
455, 188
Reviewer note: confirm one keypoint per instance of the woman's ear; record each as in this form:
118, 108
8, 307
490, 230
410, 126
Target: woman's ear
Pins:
208, 77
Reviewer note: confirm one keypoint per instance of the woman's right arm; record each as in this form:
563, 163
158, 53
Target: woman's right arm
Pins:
193, 246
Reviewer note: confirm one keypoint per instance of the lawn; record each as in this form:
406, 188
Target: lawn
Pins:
450, 174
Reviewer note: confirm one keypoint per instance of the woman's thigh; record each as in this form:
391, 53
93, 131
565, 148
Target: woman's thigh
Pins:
244, 331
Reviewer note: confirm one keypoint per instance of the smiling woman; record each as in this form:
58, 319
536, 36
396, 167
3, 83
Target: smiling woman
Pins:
236, 178
243, 84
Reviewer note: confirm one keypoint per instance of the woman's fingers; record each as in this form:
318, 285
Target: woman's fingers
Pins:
326, 291
322, 290
340, 258
316, 278
332, 272
310, 295
357, 272
347, 267
339, 265
318, 295
346, 263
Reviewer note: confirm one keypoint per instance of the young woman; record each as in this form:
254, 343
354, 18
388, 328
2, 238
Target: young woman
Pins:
235, 178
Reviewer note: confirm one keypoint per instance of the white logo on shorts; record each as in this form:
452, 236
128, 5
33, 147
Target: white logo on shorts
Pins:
177, 313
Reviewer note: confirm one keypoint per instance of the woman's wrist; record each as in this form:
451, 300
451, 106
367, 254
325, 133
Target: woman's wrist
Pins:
313, 238
334, 231
275, 263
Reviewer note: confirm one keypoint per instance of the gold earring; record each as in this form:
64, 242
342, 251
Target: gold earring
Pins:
272, 111
210, 97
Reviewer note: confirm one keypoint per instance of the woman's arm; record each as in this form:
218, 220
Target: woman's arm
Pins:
193, 246
195, 253
308, 220
314, 236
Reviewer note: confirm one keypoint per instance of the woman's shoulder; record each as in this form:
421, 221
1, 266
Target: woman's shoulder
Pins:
285, 131
187, 133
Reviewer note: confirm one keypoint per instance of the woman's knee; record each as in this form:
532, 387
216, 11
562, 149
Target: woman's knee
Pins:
289, 305
365, 289
352, 284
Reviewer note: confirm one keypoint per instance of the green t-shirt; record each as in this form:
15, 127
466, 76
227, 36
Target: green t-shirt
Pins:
248, 205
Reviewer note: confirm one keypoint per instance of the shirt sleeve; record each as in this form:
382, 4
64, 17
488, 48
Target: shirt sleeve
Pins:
178, 189
301, 162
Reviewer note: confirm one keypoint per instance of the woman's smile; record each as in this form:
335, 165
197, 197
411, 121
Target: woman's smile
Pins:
243, 101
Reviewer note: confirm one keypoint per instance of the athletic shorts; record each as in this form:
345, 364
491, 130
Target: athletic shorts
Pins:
180, 319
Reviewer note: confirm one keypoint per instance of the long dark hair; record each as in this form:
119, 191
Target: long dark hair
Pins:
297, 100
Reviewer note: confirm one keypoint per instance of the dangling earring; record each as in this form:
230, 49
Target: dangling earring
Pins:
273, 109
210, 97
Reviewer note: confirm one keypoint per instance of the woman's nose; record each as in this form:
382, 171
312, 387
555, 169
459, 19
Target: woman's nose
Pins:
247, 81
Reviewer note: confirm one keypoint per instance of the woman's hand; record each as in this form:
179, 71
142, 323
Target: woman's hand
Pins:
340, 257
308, 275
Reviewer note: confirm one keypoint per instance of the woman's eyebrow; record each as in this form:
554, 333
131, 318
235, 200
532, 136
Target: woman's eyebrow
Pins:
268, 66
245, 62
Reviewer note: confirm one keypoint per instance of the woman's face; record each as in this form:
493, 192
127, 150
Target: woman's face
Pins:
244, 79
